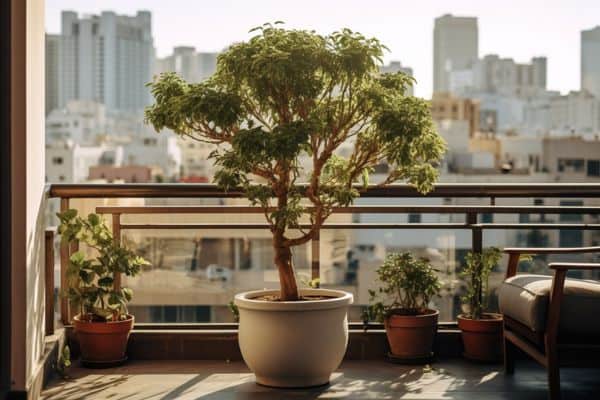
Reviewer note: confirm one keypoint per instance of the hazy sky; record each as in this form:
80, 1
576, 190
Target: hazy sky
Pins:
518, 29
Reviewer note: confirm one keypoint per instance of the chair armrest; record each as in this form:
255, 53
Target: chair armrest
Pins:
578, 266
551, 250
514, 253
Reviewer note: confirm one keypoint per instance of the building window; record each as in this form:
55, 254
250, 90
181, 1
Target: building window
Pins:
57, 160
487, 218
150, 142
593, 168
570, 165
414, 218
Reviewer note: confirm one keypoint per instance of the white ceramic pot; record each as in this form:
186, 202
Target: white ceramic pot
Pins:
293, 343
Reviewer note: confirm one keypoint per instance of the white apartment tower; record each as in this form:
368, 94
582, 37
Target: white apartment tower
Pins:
106, 58
191, 65
455, 47
590, 61
52, 71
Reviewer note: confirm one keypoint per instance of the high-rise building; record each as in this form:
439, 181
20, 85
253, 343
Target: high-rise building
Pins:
590, 61
52, 71
191, 65
455, 47
396, 66
107, 58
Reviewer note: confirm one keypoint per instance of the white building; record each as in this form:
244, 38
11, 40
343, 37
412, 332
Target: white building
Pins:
492, 74
191, 65
590, 61
455, 47
82, 122
52, 71
158, 151
106, 58
195, 162
577, 112
396, 66
70, 162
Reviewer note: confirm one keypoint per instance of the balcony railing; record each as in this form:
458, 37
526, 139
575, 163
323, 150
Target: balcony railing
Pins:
482, 200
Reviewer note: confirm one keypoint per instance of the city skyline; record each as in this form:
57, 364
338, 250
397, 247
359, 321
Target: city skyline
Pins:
550, 28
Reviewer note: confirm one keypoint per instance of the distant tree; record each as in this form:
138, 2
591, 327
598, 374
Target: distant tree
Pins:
287, 95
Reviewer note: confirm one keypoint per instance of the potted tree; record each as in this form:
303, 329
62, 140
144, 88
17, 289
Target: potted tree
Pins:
102, 325
407, 287
279, 107
481, 330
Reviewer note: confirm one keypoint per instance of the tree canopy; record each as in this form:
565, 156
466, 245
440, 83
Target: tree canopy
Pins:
282, 104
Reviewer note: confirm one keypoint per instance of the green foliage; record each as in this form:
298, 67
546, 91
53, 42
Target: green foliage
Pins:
291, 95
63, 363
235, 311
477, 273
407, 286
90, 279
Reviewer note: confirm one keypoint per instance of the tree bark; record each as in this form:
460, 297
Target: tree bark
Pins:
283, 261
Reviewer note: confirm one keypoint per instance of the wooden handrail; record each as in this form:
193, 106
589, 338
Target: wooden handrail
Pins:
441, 190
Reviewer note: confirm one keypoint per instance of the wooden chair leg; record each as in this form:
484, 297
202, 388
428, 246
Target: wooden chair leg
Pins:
553, 375
509, 357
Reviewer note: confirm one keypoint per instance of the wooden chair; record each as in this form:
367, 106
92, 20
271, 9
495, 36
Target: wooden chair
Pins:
532, 304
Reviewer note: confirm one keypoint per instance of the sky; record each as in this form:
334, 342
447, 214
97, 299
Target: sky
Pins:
517, 29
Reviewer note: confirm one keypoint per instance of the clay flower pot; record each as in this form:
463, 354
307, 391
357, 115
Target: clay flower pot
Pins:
411, 336
103, 344
482, 338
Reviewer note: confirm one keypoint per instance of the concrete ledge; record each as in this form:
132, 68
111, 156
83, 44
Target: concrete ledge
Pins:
222, 344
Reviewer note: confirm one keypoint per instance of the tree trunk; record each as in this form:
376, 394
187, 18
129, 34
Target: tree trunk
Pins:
283, 261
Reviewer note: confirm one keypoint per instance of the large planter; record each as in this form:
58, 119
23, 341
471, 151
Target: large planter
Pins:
482, 338
103, 344
411, 336
293, 343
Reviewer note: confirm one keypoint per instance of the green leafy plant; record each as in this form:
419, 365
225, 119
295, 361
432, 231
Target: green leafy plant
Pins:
235, 311
407, 286
63, 362
91, 279
477, 270
280, 106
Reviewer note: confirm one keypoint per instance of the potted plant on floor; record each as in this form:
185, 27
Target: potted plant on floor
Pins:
102, 325
407, 286
481, 330
279, 107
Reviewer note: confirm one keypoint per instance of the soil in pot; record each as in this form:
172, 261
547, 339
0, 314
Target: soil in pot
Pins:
482, 338
103, 344
411, 336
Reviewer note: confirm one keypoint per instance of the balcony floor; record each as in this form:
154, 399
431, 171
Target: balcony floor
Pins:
216, 380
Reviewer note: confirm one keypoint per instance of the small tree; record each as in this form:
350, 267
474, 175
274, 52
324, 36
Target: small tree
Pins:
407, 286
291, 95
477, 270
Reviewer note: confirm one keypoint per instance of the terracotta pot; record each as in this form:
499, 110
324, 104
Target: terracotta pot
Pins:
411, 336
293, 343
482, 338
103, 343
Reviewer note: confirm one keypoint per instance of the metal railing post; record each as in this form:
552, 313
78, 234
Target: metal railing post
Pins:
116, 230
49, 279
316, 256
64, 264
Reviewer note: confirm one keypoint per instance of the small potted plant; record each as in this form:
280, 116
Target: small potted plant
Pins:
481, 330
102, 325
279, 109
407, 287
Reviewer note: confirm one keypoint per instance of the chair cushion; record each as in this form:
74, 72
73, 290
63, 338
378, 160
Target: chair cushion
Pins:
525, 298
